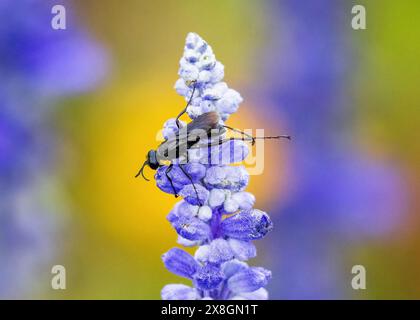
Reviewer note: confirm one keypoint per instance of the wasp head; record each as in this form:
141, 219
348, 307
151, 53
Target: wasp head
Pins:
151, 161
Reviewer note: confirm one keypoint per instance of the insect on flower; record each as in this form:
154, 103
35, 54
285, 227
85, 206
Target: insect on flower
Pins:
216, 213
204, 131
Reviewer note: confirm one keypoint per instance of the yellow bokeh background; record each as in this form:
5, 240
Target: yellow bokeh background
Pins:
116, 228
119, 227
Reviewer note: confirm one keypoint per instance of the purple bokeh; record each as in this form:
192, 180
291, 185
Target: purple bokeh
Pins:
338, 195
38, 65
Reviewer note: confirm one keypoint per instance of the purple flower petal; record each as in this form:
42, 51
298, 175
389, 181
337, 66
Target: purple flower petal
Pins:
243, 250
220, 251
260, 294
247, 225
180, 262
195, 194
179, 179
192, 229
249, 280
245, 200
208, 277
227, 177
179, 292
232, 267
197, 171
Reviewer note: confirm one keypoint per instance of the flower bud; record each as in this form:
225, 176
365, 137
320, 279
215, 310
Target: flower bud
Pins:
220, 251
202, 253
230, 205
243, 250
208, 277
249, 280
260, 294
229, 268
178, 292
182, 209
170, 128
180, 262
179, 179
245, 200
247, 225
192, 228
217, 197
197, 171
205, 213
227, 177
191, 196
187, 243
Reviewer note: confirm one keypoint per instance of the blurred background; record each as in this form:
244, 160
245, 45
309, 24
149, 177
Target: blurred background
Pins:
80, 107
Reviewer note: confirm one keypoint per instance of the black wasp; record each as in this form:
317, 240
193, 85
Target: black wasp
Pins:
202, 132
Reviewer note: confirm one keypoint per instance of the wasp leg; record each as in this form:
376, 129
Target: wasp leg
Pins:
244, 134
222, 141
170, 179
192, 182
185, 109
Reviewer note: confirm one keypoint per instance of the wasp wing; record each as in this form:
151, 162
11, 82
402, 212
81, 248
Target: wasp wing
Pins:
206, 122
197, 130
172, 148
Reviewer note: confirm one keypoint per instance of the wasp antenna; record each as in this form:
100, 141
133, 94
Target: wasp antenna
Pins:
141, 171
178, 124
281, 136
275, 137
144, 177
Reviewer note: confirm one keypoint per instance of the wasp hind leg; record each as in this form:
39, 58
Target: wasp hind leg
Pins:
185, 108
252, 139
244, 134
192, 182
170, 179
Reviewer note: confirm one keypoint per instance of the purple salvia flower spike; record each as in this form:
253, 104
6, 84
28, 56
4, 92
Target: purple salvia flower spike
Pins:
217, 270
